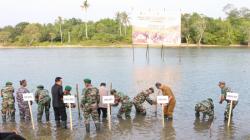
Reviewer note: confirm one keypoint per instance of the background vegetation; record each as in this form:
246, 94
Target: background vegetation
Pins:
196, 29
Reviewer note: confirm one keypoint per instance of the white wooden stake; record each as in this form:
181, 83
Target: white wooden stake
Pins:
230, 112
31, 115
70, 117
109, 116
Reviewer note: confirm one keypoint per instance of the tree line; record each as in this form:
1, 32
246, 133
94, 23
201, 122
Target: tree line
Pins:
195, 29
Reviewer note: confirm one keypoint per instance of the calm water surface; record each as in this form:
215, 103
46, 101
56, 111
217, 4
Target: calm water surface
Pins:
193, 75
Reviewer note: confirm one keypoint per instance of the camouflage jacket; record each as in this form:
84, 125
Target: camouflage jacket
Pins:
141, 97
19, 96
7, 94
121, 98
42, 97
90, 96
205, 105
224, 92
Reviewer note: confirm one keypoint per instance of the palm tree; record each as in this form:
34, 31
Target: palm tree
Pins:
60, 28
119, 20
125, 21
85, 7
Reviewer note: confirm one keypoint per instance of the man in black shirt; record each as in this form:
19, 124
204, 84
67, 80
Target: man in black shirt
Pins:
57, 102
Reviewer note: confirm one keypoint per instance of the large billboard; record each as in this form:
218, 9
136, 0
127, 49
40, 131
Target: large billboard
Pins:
156, 27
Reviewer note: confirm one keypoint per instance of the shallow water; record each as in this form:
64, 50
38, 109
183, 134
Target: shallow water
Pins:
193, 75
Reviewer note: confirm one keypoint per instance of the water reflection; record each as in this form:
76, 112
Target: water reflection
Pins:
168, 132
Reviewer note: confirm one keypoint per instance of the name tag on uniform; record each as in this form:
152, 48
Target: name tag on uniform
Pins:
162, 99
108, 99
28, 97
69, 99
232, 96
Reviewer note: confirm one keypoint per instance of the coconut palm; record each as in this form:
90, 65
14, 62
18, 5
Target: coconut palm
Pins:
125, 21
85, 7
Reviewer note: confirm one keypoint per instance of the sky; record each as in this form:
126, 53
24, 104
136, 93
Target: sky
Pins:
46, 11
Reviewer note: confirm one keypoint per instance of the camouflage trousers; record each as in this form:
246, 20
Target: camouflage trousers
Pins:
125, 109
88, 112
226, 113
8, 109
40, 109
24, 112
139, 108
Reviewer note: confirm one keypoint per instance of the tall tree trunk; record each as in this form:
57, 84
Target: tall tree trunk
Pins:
61, 34
199, 42
86, 30
187, 39
69, 37
120, 28
125, 30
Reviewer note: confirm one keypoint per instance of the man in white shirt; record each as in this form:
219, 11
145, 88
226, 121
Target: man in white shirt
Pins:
103, 91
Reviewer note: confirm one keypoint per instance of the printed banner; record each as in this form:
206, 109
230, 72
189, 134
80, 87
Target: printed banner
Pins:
156, 27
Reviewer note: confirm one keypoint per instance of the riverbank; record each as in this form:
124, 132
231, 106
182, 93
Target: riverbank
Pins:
126, 46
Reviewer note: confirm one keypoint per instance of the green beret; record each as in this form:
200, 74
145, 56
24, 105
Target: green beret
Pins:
8, 83
40, 87
68, 88
87, 81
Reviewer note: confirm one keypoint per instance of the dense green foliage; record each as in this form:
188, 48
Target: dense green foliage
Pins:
196, 29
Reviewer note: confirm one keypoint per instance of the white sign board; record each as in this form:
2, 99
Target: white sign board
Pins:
28, 97
69, 99
108, 99
232, 96
162, 99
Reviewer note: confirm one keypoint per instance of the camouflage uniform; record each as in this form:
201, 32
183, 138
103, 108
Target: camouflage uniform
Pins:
8, 102
89, 101
140, 99
23, 105
206, 107
224, 94
43, 101
126, 104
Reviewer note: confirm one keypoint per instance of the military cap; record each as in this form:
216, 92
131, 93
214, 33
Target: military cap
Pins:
8, 83
68, 88
40, 87
87, 81
152, 89
222, 83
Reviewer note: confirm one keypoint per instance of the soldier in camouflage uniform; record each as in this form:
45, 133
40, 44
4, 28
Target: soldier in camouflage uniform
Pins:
224, 90
66, 92
8, 102
126, 103
23, 105
206, 107
89, 103
43, 102
141, 98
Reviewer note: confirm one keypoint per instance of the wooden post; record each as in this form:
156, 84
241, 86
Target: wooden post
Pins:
31, 115
109, 116
70, 117
163, 123
133, 47
230, 112
78, 102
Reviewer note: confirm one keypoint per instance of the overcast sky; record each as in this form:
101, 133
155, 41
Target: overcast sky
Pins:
45, 11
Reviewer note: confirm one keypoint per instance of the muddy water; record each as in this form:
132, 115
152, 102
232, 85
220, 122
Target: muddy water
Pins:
193, 75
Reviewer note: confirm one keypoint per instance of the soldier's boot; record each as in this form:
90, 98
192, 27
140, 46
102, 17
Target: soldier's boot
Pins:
57, 123
98, 126
64, 124
170, 118
128, 116
165, 116
47, 117
197, 114
119, 116
4, 118
12, 117
87, 128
